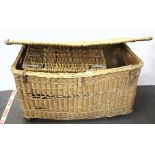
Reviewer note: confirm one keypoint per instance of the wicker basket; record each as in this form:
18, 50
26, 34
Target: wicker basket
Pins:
76, 80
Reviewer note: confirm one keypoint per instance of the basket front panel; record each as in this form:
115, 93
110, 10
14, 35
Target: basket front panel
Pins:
99, 96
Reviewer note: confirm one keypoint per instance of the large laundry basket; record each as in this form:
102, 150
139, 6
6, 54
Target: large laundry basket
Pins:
76, 80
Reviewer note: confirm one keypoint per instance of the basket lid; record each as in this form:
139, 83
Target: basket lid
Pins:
79, 43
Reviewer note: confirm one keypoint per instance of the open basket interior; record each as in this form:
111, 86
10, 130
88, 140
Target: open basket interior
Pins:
58, 59
73, 57
76, 59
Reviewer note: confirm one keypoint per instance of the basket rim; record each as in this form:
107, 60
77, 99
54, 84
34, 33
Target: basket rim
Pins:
75, 75
139, 64
78, 43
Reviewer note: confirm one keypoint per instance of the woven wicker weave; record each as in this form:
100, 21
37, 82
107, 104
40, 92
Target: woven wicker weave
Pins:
48, 59
76, 80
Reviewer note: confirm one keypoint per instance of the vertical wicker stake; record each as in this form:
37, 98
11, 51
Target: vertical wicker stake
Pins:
79, 81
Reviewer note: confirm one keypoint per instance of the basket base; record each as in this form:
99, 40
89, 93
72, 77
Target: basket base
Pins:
74, 116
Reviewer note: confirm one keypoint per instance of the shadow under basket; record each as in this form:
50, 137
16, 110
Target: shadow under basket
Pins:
77, 80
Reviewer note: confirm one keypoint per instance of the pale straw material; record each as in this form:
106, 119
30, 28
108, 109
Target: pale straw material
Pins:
80, 80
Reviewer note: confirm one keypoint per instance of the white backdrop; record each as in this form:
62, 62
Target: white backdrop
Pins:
145, 50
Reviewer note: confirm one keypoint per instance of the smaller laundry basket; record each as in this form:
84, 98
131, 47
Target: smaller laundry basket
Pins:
76, 80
